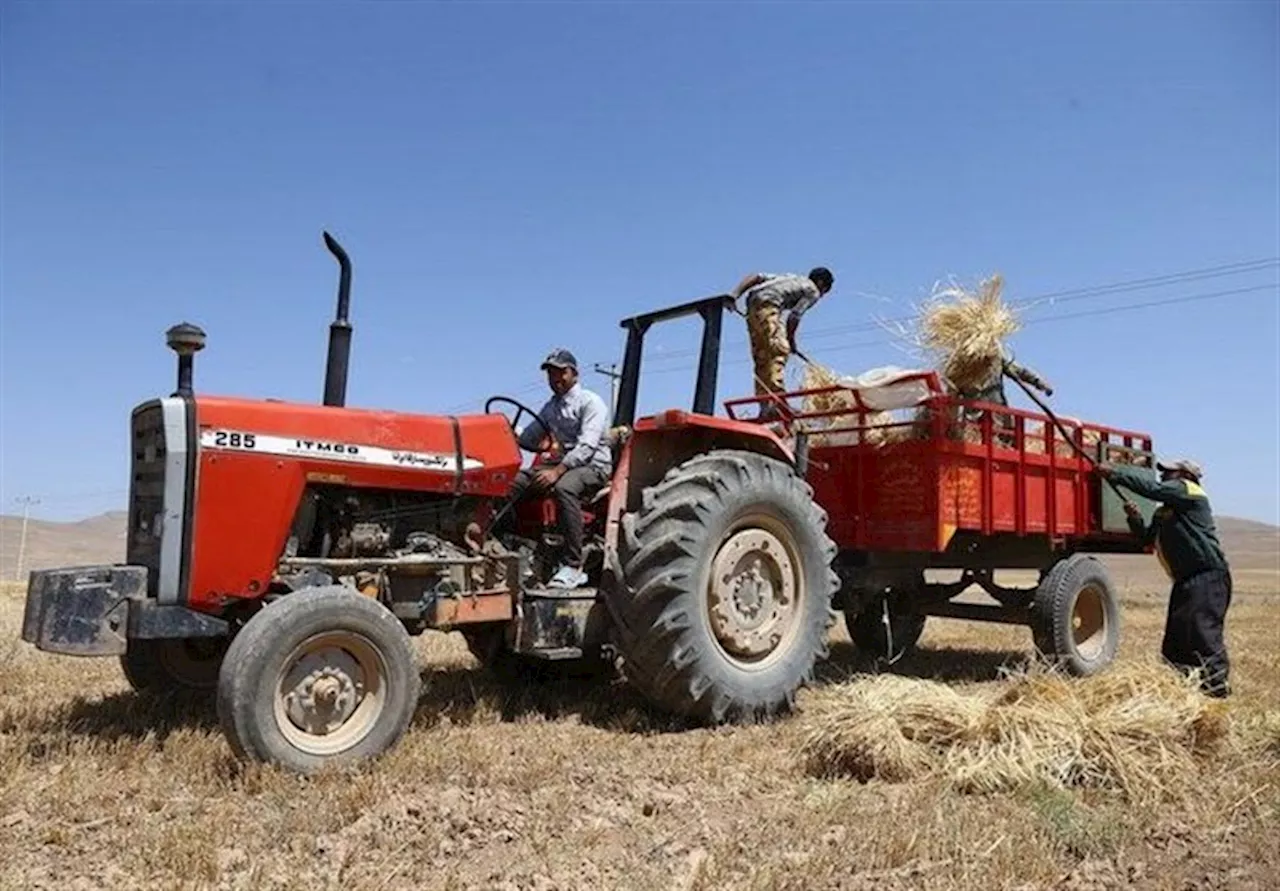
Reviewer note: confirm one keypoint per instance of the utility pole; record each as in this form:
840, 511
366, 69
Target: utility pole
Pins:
26, 501
611, 372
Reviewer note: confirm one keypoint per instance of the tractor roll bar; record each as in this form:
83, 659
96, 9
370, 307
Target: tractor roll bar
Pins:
704, 395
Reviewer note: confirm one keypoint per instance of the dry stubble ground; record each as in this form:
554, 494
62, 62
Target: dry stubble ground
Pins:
577, 785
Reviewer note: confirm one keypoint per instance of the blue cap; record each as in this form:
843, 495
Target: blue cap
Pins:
560, 358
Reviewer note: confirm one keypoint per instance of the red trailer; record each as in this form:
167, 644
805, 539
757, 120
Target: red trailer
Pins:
914, 479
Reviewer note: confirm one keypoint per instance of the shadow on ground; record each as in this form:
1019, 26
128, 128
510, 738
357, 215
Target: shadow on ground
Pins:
600, 699
945, 664
465, 695
134, 716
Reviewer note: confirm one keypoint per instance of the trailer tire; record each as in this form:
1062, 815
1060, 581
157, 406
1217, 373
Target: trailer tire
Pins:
161, 666
1075, 616
270, 683
728, 588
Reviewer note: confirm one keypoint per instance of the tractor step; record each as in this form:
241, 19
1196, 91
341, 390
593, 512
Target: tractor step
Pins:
557, 654
560, 593
554, 622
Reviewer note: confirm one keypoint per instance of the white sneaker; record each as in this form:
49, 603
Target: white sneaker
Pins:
568, 577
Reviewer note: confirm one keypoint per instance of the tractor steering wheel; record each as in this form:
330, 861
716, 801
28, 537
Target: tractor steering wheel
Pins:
521, 408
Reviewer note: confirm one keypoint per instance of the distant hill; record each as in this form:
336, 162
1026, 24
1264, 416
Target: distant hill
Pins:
1251, 544
101, 539
98, 539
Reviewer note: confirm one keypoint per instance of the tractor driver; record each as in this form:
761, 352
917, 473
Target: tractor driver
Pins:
579, 419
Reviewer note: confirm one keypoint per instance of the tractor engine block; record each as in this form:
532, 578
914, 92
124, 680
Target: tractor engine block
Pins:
423, 554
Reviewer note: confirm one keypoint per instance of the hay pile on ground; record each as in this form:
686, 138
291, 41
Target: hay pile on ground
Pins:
1141, 729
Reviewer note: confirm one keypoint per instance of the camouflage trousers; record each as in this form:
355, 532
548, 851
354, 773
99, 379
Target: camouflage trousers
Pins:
769, 347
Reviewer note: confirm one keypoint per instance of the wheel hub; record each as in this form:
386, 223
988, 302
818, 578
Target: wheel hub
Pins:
1089, 622
753, 593
323, 691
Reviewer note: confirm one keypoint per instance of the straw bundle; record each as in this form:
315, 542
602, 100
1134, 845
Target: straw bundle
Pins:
1138, 729
887, 728
965, 332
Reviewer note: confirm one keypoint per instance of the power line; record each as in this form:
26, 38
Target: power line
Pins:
523, 391
1063, 296
1192, 298
1175, 277
1094, 291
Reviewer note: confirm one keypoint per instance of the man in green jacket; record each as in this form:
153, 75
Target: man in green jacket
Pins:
1186, 543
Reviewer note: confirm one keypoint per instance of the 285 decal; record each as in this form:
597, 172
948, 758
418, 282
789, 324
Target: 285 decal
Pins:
233, 439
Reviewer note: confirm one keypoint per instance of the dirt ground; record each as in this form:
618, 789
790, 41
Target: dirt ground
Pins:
577, 785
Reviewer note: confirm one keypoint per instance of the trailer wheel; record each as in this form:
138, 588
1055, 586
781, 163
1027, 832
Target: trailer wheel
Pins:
867, 630
728, 588
321, 676
1075, 616
182, 664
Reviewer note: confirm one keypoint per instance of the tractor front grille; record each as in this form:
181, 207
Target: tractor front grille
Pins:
146, 492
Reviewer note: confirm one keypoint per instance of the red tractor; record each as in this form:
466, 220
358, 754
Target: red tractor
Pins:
282, 555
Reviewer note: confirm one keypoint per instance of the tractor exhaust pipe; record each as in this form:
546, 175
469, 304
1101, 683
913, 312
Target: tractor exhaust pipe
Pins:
186, 340
335, 372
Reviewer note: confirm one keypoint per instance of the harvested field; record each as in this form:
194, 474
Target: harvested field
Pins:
572, 785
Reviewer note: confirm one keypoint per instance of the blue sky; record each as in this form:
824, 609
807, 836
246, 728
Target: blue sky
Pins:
510, 177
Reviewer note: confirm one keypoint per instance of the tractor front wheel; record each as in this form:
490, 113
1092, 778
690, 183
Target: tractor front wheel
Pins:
1075, 616
728, 588
321, 676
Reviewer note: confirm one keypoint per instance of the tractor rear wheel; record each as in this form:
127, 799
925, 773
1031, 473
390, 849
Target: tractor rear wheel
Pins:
321, 676
730, 566
1075, 616
181, 664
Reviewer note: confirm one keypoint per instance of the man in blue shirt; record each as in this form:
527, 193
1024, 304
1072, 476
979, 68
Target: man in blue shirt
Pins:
579, 419
1187, 546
